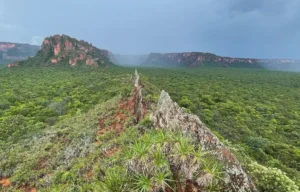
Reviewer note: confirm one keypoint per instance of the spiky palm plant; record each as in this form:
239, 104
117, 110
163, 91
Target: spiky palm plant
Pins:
159, 159
181, 152
161, 180
160, 155
143, 183
199, 156
211, 175
114, 181
140, 150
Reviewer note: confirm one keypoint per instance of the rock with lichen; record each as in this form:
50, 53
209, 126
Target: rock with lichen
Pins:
169, 115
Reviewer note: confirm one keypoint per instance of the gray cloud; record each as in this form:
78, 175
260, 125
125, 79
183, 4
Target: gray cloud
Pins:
242, 28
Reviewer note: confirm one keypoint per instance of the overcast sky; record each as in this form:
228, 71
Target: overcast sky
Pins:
240, 28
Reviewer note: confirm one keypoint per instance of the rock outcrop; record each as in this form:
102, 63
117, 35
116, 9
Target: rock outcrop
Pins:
65, 48
138, 98
62, 49
168, 115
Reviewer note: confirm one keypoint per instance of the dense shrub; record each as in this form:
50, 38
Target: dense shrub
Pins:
271, 179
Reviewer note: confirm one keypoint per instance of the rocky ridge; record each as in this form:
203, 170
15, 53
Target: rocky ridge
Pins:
169, 115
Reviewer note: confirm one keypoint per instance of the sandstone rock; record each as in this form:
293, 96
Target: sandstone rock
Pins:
64, 49
138, 98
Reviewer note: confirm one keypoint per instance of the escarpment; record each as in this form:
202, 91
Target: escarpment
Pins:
197, 59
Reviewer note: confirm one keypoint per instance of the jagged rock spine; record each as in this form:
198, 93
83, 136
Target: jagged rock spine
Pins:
169, 115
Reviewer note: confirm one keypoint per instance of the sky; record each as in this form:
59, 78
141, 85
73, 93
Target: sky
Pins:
236, 28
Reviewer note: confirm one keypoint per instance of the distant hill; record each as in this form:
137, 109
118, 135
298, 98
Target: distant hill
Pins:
64, 50
10, 52
198, 59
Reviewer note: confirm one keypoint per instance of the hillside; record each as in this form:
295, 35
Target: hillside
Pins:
88, 129
64, 50
122, 140
10, 52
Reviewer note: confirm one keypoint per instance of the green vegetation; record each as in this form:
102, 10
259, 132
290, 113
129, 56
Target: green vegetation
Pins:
71, 154
33, 98
256, 109
53, 128
271, 179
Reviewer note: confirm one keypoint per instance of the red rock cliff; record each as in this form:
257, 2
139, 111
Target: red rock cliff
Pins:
65, 48
62, 49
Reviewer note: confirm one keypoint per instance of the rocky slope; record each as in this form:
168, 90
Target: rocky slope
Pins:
10, 52
62, 49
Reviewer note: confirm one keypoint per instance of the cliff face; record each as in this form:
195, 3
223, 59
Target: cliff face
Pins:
65, 48
62, 49
16, 51
196, 59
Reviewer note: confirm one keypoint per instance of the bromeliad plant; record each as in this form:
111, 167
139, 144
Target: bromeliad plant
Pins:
165, 160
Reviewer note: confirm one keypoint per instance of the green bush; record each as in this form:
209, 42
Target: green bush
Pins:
271, 179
